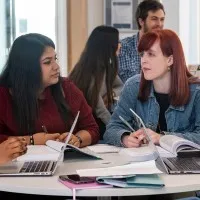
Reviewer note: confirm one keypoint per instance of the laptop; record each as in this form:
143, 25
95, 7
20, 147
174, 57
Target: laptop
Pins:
36, 168
174, 165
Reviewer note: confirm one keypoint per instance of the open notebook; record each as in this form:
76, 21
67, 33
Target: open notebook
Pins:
36, 168
52, 149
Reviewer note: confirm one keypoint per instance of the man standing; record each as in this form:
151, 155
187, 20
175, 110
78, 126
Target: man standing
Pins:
150, 15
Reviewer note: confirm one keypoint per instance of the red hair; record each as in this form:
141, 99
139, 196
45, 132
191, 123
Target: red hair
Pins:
170, 44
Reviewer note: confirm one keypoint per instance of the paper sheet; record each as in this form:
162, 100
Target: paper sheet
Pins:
147, 167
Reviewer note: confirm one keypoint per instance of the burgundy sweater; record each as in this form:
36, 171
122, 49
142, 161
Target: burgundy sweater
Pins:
49, 115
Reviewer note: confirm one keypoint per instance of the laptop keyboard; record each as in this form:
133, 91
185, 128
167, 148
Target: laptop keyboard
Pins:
184, 164
35, 166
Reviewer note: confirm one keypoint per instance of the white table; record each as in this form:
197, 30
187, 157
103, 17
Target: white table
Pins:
51, 186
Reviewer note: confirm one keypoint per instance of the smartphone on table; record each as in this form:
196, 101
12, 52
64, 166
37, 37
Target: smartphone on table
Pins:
75, 178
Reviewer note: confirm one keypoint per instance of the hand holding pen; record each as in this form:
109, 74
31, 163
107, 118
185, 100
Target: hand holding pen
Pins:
135, 139
60, 138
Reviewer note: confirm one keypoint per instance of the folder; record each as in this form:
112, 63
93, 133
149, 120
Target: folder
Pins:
133, 181
147, 180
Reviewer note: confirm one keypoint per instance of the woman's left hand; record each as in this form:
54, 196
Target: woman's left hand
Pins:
155, 137
73, 139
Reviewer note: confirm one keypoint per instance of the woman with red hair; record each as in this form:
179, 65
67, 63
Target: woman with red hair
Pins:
166, 96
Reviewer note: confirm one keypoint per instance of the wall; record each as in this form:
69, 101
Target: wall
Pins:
77, 29
172, 14
61, 35
95, 14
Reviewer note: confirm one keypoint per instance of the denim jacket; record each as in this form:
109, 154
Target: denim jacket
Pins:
182, 121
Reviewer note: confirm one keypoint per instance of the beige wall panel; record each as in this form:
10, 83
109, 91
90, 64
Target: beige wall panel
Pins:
77, 30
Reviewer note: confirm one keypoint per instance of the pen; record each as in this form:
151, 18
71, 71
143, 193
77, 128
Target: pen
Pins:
126, 123
144, 127
44, 129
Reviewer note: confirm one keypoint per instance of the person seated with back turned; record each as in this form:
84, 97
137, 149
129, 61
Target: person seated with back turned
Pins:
36, 102
166, 96
95, 74
150, 15
12, 148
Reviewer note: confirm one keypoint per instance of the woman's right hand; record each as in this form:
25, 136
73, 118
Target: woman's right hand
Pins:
135, 139
12, 148
41, 138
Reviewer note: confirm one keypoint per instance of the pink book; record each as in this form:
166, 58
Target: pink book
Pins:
75, 187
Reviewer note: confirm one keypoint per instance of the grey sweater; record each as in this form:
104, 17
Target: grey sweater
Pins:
101, 111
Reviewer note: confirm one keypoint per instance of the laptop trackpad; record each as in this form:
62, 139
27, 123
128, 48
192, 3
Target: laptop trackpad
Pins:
10, 168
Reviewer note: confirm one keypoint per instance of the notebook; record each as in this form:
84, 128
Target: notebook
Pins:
175, 165
128, 181
36, 168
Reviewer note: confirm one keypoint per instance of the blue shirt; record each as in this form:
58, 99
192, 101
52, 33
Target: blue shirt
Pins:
182, 121
129, 59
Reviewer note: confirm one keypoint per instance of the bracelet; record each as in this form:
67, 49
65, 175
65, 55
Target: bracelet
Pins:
79, 139
31, 140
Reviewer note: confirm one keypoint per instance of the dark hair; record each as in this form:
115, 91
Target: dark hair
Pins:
170, 44
22, 75
144, 7
97, 60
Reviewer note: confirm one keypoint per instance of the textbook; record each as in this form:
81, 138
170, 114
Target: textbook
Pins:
52, 149
175, 144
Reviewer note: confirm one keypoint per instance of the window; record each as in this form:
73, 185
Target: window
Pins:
190, 29
34, 16
37, 16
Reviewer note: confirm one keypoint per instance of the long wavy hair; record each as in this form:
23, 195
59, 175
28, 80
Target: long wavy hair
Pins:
22, 75
98, 60
170, 44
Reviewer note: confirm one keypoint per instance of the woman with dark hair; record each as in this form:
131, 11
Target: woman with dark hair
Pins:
95, 74
166, 96
35, 102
